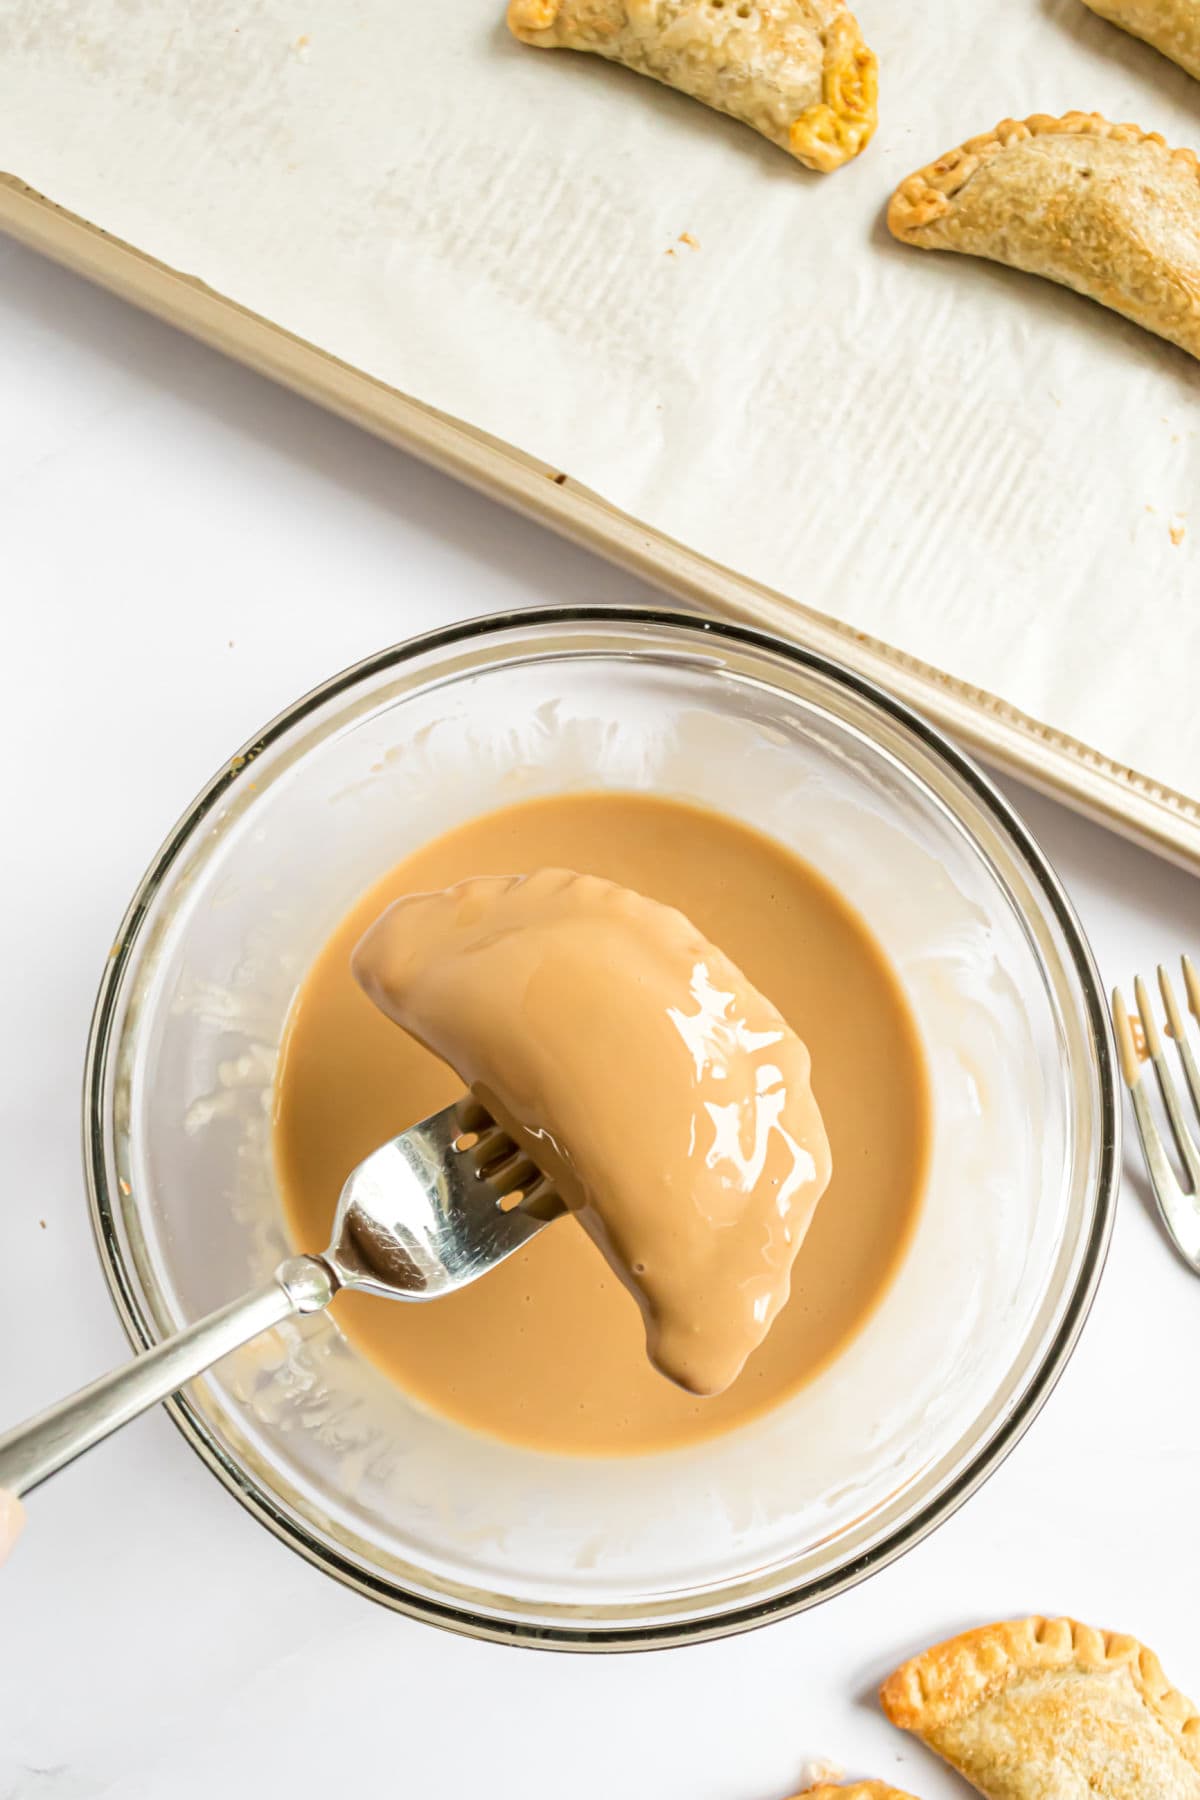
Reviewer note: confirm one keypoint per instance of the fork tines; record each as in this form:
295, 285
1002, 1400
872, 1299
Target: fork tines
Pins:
1179, 1204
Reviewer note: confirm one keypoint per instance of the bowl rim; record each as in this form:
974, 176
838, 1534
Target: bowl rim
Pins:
720, 1623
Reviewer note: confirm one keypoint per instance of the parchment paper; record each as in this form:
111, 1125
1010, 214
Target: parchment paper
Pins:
981, 470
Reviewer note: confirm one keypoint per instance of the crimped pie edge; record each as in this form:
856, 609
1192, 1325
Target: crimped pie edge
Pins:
842, 123
926, 196
948, 1681
853, 1790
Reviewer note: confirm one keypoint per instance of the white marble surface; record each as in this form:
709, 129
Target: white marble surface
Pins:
183, 549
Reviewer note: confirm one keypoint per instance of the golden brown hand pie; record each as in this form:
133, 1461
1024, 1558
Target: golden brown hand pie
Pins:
853, 1790
1172, 26
796, 70
1105, 209
1045, 1709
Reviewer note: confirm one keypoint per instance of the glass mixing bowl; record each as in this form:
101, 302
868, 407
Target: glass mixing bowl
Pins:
503, 1542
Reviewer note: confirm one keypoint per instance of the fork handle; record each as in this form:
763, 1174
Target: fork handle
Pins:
44, 1444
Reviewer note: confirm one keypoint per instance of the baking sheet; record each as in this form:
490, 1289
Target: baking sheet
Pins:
987, 475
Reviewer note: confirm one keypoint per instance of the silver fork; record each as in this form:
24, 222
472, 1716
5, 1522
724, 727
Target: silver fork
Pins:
1178, 1205
423, 1215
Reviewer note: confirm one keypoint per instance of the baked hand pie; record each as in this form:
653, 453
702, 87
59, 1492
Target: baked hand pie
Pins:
1105, 209
853, 1790
798, 71
636, 1067
1172, 26
1045, 1709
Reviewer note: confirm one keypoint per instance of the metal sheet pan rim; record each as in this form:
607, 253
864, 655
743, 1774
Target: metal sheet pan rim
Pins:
1157, 817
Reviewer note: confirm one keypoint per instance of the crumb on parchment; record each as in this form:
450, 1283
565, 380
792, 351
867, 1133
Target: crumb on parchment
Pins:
1178, 533
685, 237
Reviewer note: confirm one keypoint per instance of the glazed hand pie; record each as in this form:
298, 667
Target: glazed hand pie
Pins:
798, 71
1045, 1709
1172, 26
1105, 209
637, 1067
